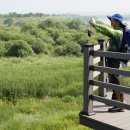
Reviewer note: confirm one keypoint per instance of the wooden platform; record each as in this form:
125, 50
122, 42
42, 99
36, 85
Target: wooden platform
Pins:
104, 120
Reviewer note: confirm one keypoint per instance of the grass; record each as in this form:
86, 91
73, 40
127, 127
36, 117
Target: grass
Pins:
38, 77
125, 80
41, 93
42, 114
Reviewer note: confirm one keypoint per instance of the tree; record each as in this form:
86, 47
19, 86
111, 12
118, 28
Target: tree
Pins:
18, 48
74, 24
8, 22
71, 48
48, 23
54, 33
27, 26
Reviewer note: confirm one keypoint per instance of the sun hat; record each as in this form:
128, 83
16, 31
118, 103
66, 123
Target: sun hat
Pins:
117, 17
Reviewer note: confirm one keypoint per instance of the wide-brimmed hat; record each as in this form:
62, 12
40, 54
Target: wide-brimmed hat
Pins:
117, 17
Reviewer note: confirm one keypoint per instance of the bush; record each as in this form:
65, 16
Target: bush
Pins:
46, 38
69, 49
48, 23
60, 51
62, 41
5, 36
43, 35
18, 48
37, 45
80, 38
2, 48
74, 49
19, 24
74, 24
27, 26
8, 22
54, 33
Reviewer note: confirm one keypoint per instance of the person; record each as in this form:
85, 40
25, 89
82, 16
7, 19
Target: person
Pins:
115, 34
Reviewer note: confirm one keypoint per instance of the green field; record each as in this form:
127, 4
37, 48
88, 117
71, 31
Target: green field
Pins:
42, 89
41, 93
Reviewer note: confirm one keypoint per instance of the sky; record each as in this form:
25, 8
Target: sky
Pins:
82, 7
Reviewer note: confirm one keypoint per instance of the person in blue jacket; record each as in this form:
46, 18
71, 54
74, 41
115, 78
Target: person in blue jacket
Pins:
115, 34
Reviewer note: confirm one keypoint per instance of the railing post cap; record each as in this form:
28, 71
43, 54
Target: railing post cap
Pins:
88, 45
101, 40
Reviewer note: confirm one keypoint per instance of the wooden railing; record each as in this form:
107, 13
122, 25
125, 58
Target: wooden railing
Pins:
94, 65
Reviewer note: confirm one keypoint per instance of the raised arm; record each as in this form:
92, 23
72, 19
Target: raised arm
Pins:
106, 30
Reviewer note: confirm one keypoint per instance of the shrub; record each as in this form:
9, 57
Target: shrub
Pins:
61, 41
46, 38
8, 22
73, 48
60, 51
19, 48
2, 48
27, 26
80, 38
5, 36
74, 24
43, 35
69, 49
19, 23
54, 33
37, 45
10, 35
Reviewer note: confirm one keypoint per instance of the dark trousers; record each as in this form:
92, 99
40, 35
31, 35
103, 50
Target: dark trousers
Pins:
113, 78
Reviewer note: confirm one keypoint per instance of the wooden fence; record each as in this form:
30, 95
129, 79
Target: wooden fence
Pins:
94, 65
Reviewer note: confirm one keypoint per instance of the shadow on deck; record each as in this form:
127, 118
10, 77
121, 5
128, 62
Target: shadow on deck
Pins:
104, 120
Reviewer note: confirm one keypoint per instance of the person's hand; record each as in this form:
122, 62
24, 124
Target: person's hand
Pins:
92, 22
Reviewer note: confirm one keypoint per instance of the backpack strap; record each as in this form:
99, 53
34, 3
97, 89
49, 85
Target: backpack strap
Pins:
122, 41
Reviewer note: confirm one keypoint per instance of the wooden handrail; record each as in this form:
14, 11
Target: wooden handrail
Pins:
111, 54
121, 88
89, 74
110, 70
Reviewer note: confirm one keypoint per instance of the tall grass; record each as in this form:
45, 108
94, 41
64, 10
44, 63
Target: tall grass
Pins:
44, 114
45, 93
40, 76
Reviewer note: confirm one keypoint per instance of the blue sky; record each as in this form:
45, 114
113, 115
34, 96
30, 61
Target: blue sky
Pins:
65, 6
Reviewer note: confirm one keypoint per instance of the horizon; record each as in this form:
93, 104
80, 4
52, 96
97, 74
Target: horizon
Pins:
78, 14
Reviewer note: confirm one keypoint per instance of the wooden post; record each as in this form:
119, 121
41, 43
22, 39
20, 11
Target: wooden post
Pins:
88, 75
102, 76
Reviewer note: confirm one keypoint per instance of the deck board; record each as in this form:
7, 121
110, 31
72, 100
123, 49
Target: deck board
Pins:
119, 120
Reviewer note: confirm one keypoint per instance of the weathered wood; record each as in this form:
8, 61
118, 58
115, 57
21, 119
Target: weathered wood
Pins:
95, 124
88, 75
120, 88
111, 102
110, 70
102, 76
104, 120
97, 47
111, 54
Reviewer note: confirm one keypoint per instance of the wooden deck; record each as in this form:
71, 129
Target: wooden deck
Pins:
103, 120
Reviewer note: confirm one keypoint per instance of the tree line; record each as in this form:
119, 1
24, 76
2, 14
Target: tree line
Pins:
51, 35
